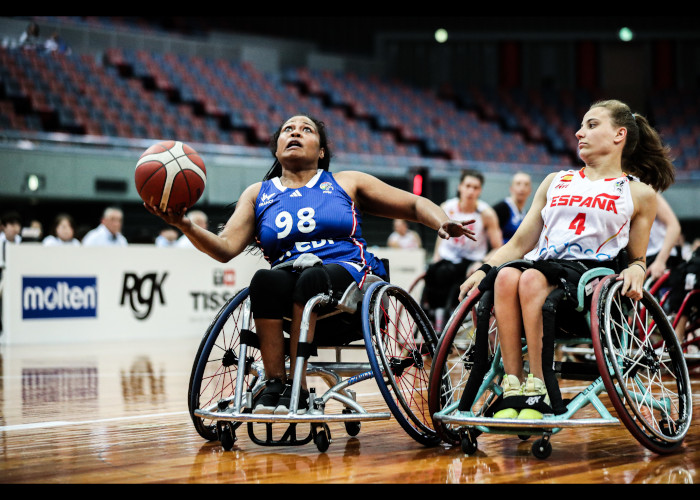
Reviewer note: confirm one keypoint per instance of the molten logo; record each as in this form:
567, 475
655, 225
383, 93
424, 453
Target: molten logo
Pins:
59, 297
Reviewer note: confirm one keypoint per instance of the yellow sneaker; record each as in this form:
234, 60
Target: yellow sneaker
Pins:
529, 414
506, 413
534, 387
511, 387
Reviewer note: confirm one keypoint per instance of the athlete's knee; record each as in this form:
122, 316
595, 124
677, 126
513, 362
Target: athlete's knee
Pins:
507, 281
269, 294
313, 281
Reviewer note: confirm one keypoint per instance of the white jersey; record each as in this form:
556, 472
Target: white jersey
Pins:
458, 249
656, 237
584, 219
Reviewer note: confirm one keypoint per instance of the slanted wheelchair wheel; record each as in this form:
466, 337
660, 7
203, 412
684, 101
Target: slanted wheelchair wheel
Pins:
453, 362
400, 345
215, 369
649, 387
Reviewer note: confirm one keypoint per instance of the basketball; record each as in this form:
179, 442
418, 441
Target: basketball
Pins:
171, 175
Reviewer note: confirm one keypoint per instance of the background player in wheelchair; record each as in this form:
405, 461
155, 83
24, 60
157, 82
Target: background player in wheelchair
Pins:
578, 220
301, 209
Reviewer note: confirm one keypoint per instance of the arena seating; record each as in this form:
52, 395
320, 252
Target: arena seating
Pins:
137, 93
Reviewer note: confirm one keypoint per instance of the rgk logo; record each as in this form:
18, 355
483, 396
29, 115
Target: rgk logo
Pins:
142, 291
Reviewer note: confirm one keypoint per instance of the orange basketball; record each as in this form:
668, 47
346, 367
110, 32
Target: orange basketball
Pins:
171, 175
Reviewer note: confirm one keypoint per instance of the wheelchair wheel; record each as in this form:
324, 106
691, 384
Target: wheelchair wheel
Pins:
649, 388
215, 368
453, 362
400, 345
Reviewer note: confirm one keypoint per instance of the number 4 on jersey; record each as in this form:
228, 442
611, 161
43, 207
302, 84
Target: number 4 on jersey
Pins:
579, 222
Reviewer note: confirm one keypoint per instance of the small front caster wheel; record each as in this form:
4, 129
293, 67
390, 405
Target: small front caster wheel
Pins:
322, 438
542, 448
353, 428
468, 443
227, 436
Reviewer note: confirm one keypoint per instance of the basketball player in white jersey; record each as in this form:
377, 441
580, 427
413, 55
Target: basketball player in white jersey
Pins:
587, 215
455, 259
665, 232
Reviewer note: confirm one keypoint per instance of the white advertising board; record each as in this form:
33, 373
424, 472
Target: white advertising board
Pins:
86, 294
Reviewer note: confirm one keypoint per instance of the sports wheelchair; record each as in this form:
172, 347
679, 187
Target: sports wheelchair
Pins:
380, 324
684, 309
648, 386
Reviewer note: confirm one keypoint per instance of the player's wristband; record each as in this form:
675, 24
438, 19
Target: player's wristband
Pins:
486, 268
638, 264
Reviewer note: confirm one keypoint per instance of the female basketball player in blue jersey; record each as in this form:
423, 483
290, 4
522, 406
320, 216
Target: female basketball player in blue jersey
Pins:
300, 208
578, 216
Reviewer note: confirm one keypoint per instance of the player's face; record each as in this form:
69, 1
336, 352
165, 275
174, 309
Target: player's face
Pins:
521, 187
470, 188
299, 139
597, 134
64, 230
113, 221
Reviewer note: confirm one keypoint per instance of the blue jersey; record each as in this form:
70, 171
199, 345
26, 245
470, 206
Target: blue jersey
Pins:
319, 218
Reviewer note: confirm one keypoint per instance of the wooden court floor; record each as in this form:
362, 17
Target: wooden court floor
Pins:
117, 414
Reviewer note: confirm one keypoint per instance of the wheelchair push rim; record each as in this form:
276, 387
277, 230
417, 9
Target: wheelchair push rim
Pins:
649, 387
400, 345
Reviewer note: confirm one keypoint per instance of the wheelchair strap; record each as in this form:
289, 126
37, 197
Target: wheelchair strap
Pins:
306, 349
480, 354
249, 338
549, 313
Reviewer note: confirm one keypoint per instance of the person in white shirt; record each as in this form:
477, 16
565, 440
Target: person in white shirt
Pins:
167, 238
10, 229
403, 236
199, 218
578, 220
455, 259
108, 233
62, 233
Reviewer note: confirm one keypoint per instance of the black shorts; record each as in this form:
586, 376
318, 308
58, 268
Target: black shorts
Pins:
274, 291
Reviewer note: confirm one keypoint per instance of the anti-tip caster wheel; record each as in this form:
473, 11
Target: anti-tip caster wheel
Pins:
227, 436
322, 438
542, 448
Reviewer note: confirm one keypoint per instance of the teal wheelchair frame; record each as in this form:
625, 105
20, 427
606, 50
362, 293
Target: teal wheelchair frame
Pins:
638, 363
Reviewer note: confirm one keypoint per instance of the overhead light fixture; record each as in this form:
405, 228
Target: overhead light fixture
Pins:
34, 182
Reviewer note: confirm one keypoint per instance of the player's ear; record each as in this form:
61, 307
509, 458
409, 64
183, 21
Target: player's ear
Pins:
621, 134
322, 154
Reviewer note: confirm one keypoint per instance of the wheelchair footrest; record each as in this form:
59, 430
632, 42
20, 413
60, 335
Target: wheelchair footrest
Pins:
309, 417
548, 422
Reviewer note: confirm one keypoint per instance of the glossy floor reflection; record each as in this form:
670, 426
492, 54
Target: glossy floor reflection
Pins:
117, 413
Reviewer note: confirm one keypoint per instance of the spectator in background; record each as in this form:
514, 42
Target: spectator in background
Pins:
403, 236
512, 210
11, 228
108, 233
62, 232
33, 233
200, 219
55, 44
166, 238
29, 39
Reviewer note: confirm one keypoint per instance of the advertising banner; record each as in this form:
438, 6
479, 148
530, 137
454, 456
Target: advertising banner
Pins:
86, 294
